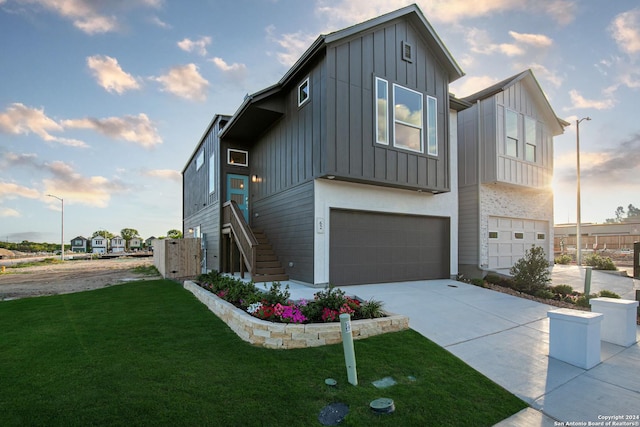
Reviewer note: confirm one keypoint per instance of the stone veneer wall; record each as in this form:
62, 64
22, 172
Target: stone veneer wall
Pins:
290, 335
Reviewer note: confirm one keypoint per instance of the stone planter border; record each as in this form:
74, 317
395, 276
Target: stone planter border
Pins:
290, 335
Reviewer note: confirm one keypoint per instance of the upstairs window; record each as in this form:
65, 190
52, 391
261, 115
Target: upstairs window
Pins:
200, 160
407, 119
237, 157
402, 119
511, 146
303, 92
382, 111
432, 126
212, 173
530, 146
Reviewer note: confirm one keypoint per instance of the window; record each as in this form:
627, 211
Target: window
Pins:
540, 236
530, 139
407, 52
382, 108
406, 113
303, 92
212, 173
200, 160
432, 128
407, 119
493, 234
511, 148
237, 157
518, 235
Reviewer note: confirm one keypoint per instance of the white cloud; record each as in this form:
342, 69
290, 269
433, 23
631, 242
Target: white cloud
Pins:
11, 190
199, 46
536, 40
159, 22
579, 101
170, 174
90, 16
470, 85
293, 44
18, 119
77, 189
138, 129
625, 29
235, 72
110, 75
184, 81
342, 12
7, 212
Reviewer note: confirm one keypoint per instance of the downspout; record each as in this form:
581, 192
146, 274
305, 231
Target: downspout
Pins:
479, 181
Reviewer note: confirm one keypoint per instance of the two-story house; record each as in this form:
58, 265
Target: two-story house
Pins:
117, 244
505, 167
346, 165
99, 245
135, 244
79, 244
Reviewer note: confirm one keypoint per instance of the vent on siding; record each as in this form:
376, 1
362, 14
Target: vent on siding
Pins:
407, 52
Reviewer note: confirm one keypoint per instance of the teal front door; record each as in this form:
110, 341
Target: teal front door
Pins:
238, 191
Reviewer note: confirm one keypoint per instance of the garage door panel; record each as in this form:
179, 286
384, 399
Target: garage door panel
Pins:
515, 236
369, 247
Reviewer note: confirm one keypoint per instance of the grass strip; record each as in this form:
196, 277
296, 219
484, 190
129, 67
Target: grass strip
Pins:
149, 353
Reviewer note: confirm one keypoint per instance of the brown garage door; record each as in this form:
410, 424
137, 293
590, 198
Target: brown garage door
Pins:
372, 247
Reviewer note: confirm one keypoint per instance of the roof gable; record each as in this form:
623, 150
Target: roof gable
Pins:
534, 90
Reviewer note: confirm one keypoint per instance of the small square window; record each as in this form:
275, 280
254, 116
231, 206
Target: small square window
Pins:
303, 92
518, 235
541, 236
493, 234
237, 157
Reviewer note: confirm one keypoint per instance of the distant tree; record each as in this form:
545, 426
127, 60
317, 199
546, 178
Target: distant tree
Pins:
103, 233
632, 211
174, 234
128, 234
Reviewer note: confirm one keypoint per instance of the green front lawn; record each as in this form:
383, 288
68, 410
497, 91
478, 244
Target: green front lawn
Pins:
149, 353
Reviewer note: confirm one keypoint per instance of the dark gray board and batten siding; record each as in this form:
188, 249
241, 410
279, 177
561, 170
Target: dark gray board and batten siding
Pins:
351, 150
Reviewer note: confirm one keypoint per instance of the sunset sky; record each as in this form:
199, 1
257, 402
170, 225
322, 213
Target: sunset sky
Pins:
102, 103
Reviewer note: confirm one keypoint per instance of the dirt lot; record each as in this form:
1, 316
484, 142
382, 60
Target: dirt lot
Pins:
71, 276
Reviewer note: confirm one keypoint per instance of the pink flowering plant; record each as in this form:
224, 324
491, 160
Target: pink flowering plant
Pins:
274, 303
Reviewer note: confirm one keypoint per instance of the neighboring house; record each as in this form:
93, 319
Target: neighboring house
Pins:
148, 244
99, 245
617, 236
505, 166
79, 244
135, 244
347, 165
117, 244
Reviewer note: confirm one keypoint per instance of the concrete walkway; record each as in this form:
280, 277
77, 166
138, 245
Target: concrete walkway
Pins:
507, 339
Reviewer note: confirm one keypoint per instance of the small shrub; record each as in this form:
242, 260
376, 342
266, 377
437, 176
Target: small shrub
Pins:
599, 263
478, 282
274, 295
531, 273
544, 293
563, 259
371, 309
494, 279
562, 290
608, 294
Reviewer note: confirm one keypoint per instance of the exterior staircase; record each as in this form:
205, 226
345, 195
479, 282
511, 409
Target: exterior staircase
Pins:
268, 268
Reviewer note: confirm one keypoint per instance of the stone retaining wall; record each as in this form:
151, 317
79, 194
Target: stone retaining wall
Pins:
290, 335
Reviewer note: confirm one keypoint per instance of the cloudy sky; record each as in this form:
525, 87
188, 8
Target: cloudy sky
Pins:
102, 103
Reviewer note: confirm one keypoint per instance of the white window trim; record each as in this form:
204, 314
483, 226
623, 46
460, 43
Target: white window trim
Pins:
515, 233
507, 138
377, 114
301, 102
235, 150
533, 143
421, 150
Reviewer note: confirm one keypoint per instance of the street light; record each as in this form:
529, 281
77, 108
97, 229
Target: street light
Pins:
578, 219
62, 227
